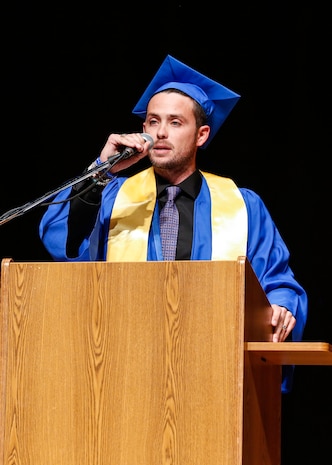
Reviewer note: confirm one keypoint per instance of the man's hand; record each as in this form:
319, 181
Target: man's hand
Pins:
116, 143
282, 321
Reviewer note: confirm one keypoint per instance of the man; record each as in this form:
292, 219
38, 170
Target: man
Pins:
116, 218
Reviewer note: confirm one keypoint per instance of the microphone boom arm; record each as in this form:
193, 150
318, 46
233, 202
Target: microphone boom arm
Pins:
19, 211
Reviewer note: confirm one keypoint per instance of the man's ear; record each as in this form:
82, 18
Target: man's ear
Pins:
203, 135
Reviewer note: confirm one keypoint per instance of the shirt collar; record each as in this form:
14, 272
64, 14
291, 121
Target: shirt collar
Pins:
190, 186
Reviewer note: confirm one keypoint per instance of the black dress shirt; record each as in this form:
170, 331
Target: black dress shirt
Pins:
190, 188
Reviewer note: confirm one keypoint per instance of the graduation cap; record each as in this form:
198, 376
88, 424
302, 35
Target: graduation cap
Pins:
216, 100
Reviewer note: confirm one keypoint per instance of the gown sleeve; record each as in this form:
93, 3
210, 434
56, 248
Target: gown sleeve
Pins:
269, 257
76, 230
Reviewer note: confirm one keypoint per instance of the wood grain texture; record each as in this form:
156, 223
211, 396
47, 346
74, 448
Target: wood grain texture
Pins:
113, 363
290, 353
167, 363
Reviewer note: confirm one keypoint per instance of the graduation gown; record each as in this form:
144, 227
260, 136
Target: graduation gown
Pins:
248, 230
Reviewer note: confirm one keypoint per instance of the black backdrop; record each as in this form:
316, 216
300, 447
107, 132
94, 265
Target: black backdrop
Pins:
70, 76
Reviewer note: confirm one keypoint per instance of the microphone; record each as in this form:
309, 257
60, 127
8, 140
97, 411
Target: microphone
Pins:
130, 151
97, 167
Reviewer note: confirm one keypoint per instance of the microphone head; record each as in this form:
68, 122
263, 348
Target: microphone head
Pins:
148, 138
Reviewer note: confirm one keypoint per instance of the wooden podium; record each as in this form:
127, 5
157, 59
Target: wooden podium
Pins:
156, 363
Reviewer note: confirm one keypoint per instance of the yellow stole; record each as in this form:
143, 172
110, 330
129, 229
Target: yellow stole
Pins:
133, 210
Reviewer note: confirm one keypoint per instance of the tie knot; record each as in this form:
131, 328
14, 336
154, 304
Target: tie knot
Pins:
172, 192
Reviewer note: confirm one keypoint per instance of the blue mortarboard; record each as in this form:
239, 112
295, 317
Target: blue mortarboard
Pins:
216, 100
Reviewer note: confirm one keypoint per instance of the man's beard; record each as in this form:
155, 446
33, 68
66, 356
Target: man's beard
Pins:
174, 163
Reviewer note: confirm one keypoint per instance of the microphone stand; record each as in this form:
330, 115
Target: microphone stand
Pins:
18, 211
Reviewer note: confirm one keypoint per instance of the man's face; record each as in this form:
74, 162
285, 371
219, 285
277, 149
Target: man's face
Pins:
170, 120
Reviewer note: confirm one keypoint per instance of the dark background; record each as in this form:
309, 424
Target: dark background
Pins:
71, 76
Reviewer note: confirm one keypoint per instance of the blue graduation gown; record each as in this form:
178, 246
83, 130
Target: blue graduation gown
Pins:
266, 250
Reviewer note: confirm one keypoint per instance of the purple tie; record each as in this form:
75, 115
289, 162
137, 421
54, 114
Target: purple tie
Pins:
169, 224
